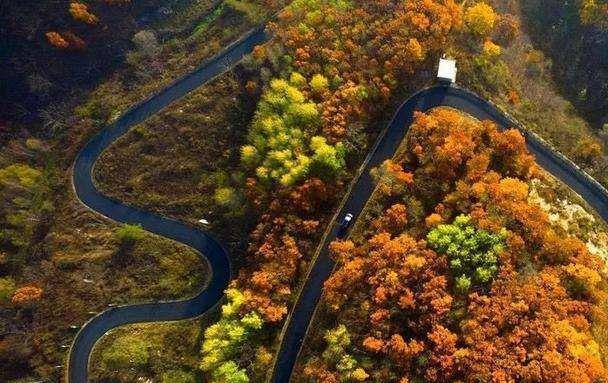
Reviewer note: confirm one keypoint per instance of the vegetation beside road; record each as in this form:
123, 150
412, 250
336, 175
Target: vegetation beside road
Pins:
110, 48
310, 100
551, 85
574, 36
464, 236
54, 253
166, 352
268, 173
184, 155
81, 264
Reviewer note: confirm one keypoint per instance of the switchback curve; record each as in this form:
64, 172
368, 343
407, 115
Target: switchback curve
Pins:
299, 319
203, 242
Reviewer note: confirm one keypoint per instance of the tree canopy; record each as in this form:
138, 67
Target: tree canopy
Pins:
472, 253
282, 145
484, 288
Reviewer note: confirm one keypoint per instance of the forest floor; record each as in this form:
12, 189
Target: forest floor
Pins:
183, 154
166, 351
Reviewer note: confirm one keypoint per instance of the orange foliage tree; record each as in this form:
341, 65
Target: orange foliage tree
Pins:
56, 40
80, 12
280, 238
362, 68
531, 331
394, 277
394, 294
26, 295
347, 58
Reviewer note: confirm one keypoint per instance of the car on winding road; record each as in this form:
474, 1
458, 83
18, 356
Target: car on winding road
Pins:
344, 225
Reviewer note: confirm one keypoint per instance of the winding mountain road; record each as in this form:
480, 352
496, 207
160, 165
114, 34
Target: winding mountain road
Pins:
386, 145
204, 243
213, 251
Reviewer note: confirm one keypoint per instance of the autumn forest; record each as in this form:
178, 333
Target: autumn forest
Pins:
471, 259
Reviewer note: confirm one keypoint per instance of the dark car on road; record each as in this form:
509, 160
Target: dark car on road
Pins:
344, 225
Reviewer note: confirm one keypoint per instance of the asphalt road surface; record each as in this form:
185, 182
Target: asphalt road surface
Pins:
209, 248
385, 146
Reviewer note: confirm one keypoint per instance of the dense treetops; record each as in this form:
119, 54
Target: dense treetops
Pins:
355, 52
225, 338
330, 68
282, 146
472, 254
455, 232
473, 283
331, 74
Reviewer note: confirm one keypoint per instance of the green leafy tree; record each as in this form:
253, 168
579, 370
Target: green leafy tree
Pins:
224, 339
346, 365
338, 339
327, 160
127, 234
249, 155
297, 80
227, 197
19, 175
230, 372
473, 253
319, 83
25, 194
490, 67
480, 19
281, 144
